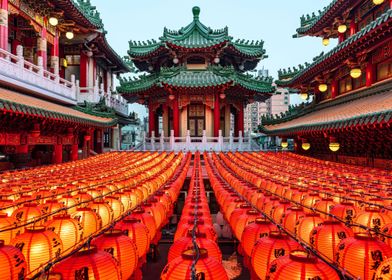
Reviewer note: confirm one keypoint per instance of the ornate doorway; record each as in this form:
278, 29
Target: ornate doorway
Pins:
196, 119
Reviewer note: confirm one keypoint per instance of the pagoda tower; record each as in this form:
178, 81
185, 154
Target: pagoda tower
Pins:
195, 80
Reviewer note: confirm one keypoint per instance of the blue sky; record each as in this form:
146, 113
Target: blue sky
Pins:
272, 21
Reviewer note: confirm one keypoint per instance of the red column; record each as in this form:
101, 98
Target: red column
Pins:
83, 69
42, 47
341, 37
353, 27
58, 153
54, 56
370, 74
216, 115
4, 24
334, 89
75, 152
176, 117
151, 120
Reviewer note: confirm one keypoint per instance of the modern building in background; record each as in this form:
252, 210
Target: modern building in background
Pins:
277, 104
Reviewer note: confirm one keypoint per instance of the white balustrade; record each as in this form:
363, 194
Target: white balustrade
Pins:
188, 143
15, 70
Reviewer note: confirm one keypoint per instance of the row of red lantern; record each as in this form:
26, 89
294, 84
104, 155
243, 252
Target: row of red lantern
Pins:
272, 253
329, 238
129, 241
120, 198
364, 190
66, 231
195, 238
310, 198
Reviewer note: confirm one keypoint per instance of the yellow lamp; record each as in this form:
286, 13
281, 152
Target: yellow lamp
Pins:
70, 35
323, 87
334, 146
284, 144
342, 28
325, 41
304, 95
53, 21
305, 146
355, 73
378, 2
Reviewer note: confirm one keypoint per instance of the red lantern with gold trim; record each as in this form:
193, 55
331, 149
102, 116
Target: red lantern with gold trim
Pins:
12, 263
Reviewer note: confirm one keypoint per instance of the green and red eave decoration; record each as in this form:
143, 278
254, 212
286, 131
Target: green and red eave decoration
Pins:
196, 36
375, 32
182, 78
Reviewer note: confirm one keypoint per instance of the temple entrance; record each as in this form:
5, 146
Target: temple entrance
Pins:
196, 119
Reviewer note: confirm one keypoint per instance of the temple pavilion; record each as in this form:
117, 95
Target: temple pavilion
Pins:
195, 80
350, 116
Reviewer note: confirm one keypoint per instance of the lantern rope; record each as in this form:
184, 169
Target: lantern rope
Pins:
196, 174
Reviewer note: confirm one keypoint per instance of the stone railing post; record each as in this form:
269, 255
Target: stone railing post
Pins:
162, 140
19, 54
220, 140
144, 140
172, 141
74, 88
40, 64
240, 141
249, 141
188, 139
231, 140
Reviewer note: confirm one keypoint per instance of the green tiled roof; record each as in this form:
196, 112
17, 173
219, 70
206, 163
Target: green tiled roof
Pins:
286, 78
89, 11
195, 35
181, 77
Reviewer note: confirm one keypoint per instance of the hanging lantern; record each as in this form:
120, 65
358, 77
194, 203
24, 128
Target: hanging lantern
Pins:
88, 219
88, 263
362, 254
68, 229
116, 205
69, 201
8, 206
185, 243
284, 143
334, 145
342, 28
69, 35
305, 145
222, 95
172, 96
36, 132
291, 217
176, 60
12, 263
323, 87
324, 206
327, 236
207, 268
137, 232
378, 2
28, 213
356, 72
122, 248
259, 229
51, 206
145, 218
325, 41
372, 218
300, 265
104, 211
304, 95
7, 234
306, 225
269, 248
39, 246
245, 219
345, 211
53, 21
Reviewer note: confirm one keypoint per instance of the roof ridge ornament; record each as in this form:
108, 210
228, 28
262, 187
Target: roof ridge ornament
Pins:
196, 13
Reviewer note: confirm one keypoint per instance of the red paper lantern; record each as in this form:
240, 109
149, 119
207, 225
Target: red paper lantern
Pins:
12, 263
146, 219
7, 223
299, 265
306, 225
122, 248
207, 268
268, 248
88, 219
362, 254
88, 263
